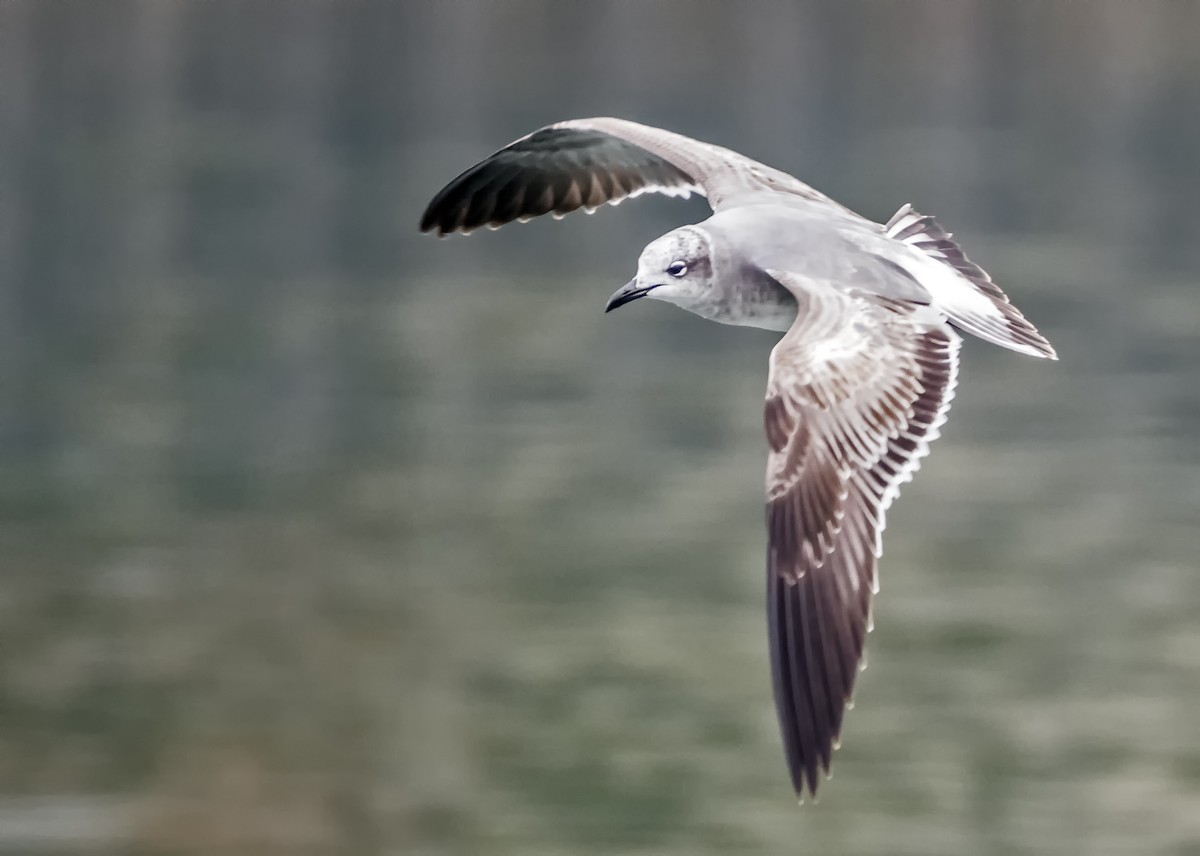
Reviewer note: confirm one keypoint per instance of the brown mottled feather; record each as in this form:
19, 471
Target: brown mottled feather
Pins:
857, 390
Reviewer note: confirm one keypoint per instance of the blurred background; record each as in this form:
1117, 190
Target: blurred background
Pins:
323, 536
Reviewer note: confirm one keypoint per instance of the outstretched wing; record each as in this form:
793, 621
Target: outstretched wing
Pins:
585, 163
857, 389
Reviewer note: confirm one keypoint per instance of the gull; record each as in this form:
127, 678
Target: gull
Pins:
857, 387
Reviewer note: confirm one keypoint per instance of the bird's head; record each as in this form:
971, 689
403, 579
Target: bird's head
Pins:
676, 268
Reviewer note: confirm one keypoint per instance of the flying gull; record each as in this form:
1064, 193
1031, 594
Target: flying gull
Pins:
856, 388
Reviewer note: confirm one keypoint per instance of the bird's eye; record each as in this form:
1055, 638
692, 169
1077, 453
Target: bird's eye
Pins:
677, 269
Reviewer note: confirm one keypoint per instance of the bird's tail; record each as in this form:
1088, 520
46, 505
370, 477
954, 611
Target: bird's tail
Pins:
985, 310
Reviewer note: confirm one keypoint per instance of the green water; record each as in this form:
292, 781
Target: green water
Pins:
320, 536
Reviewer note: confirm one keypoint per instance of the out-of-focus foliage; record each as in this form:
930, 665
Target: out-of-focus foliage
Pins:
320, 536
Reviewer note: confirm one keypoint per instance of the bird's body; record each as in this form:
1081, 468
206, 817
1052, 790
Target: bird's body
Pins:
857, 387
793, 236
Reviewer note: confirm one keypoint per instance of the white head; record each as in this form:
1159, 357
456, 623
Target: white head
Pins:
676, 268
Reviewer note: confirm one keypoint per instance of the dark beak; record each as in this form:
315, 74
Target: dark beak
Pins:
627, 293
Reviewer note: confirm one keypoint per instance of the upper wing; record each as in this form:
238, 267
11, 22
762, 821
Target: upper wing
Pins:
857, 389
584, 163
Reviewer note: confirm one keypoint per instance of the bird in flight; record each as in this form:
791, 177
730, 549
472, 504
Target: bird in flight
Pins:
857, 387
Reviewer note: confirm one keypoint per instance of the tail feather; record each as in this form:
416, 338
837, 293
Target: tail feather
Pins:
998, 321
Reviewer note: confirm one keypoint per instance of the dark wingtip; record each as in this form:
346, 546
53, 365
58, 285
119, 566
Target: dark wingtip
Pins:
433, 218
428, 223
555, 170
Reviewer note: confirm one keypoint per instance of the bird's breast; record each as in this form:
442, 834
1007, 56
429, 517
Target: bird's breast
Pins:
757, 300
